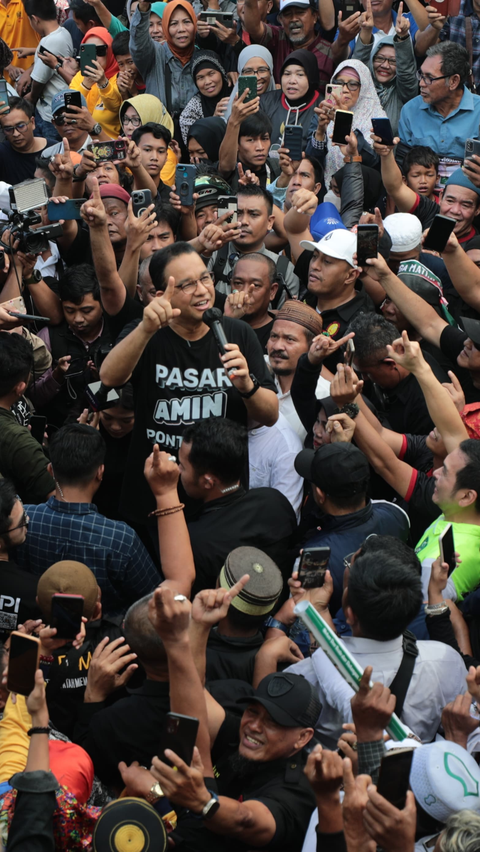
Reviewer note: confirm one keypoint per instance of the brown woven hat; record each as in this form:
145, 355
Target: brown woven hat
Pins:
299, 312
67, 578
263, 589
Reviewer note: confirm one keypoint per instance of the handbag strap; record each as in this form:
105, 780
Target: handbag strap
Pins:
401, 681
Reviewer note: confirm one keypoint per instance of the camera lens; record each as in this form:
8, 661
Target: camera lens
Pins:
184, 188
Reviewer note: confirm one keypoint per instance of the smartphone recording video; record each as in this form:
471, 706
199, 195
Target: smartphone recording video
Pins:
313, 567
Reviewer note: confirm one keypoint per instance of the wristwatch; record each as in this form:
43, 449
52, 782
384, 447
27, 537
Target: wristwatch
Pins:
256, 385
155, 793
211, 808
96, 129
274, 622
436, 609
33, 278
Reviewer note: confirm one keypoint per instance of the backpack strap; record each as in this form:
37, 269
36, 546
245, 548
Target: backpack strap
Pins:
401, 681
218, 273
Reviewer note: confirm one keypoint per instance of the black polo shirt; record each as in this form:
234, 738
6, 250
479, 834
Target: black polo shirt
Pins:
261, 517
280, 785
128, 730
18, 591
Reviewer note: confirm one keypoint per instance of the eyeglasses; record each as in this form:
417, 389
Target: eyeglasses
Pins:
21, 127
260, 72
384, 60
429, 79
347, 560
61, 120
134, 121
189, 287
25, 523
351, 85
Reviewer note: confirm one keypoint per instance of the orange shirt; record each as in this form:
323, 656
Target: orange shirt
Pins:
15, 29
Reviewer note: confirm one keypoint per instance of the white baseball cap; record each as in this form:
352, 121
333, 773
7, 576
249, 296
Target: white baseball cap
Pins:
302, 3
338, 243
445, 779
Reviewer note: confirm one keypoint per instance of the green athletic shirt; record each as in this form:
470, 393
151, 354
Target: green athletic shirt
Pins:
466, 576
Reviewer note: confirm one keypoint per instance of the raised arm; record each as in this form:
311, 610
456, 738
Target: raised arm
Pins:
229, 148
124, 357
253, 21
297, 220
464, 273
397, 473
102, 12
142, 47
440, 404
404, 197
138, 229
176, 557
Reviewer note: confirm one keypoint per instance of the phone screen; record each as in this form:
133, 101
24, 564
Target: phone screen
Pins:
440, 230
342, 126
22, 663
38, 425
447, 548
383, 128
67, 611
313, 565
228, 202
393, 779
367, 243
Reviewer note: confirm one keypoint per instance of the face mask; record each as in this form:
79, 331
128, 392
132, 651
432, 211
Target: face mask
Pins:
334, 199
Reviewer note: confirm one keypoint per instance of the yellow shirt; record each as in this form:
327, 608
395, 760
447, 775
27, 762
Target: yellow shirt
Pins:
168, 172
15, 29
14, 741
104, 104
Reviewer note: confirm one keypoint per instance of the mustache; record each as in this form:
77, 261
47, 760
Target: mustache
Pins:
281, 355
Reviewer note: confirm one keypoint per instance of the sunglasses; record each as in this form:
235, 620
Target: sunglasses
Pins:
61, 120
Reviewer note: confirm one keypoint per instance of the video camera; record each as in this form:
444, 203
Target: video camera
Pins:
25, 198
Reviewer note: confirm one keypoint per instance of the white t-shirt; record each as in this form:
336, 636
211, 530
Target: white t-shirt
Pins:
60, 43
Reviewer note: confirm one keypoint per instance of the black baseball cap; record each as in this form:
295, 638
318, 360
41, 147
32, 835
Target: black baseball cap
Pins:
290, 700
472, 328
340, 470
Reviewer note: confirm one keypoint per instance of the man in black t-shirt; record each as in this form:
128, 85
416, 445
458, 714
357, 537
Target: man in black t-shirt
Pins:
18, 588
21, 148
177, 373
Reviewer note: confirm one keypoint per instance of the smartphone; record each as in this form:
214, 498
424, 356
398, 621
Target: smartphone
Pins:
342, 126
38, 425
293, 140
43, 50
211, 17
447, 548
22, 662
367, 243
88, 52
4, 94
69, 209
313, 565
333, 91
67, 611
349, 352
383, 128
72, 99
440, 230
102, 151
28, 317
447, 7
228, 202
185, 183
178, 733
472, 146
394, 776
247, 81
349, 7
141, 199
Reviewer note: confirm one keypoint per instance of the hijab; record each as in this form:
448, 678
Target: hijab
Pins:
208, 59
253, 51
306, 60
209, 133
367, 107
149, 108
100, 32
158, 9
372, 185
382, 88
182, 54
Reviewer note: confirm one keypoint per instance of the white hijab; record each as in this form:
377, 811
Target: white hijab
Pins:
367, 107
251, 52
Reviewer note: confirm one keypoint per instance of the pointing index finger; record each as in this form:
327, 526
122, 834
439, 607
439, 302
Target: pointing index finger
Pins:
237, 588
170, 289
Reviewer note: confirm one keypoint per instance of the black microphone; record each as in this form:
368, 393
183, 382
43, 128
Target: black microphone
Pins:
213, 318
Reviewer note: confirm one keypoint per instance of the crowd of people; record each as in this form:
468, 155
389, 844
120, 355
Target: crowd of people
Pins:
239, 372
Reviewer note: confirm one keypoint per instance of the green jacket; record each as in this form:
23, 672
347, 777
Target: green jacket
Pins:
466, 576
23, 461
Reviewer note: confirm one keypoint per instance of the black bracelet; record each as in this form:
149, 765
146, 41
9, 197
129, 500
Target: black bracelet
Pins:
351, 409
38, 731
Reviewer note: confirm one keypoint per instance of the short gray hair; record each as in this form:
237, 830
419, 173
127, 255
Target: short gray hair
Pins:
462, 832
455, 59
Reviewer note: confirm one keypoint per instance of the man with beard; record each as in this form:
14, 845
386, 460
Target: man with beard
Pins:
292, 333
257, 795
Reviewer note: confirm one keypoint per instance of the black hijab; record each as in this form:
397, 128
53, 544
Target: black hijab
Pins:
306, 59
203, 59
209, 133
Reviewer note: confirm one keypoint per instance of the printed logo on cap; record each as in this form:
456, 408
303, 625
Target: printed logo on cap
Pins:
456, 768
328, 236
279, 686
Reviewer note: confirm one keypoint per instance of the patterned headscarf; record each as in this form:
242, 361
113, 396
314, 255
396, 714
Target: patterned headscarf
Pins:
367, 107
